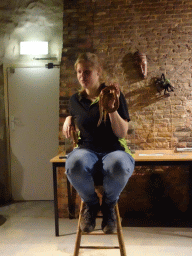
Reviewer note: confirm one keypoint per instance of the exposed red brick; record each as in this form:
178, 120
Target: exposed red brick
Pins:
115, 30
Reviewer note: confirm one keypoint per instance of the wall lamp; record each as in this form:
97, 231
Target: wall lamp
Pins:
34, 48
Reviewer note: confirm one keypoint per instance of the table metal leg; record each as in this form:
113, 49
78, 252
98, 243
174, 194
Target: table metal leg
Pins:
55, 200
190, 189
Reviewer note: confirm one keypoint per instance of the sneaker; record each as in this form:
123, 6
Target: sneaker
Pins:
88, 220
108, 224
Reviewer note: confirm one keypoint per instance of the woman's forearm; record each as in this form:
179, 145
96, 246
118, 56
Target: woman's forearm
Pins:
118, 124
68, 126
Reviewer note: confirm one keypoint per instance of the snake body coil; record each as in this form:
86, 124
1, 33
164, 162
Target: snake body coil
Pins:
108, 94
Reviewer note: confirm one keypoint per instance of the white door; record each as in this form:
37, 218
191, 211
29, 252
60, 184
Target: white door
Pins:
34, 124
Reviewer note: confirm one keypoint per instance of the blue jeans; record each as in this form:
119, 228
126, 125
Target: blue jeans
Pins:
116, 169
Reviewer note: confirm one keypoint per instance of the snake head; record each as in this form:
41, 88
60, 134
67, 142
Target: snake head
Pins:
108, 102
109, 99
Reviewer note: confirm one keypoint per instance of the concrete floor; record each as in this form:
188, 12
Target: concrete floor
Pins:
29, 231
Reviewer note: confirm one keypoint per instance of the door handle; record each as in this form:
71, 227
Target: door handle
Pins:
12, 119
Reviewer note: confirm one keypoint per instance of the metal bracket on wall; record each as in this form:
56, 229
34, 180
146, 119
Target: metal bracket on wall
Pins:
12, 70
51, 65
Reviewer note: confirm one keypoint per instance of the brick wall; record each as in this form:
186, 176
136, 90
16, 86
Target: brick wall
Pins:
115, 30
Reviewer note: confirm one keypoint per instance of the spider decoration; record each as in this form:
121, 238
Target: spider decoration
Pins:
163, 84
109, 93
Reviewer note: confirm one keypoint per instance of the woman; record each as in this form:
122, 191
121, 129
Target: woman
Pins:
100, 148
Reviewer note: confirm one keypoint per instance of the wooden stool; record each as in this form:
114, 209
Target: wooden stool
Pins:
118, 233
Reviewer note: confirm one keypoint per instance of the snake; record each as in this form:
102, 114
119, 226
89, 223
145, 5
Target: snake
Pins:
109, 93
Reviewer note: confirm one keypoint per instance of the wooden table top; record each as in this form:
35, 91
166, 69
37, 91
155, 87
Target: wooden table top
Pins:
147, 155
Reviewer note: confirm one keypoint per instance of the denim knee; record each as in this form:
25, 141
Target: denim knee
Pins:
118, 167
79, 168
119, 163
80, 160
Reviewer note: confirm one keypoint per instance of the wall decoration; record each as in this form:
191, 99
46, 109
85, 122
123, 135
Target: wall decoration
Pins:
164, 84
141, 62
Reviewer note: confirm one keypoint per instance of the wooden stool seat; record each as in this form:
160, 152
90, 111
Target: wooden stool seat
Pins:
119, 234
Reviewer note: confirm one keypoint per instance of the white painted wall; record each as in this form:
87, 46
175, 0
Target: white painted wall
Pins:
23, 20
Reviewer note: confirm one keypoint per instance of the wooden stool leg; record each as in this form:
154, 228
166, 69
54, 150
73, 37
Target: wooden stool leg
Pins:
79, 232
120, 233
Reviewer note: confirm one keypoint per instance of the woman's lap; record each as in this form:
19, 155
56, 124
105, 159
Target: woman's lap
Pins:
116, 167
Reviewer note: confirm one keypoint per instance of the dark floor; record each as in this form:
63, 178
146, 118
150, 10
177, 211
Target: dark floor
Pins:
161, 219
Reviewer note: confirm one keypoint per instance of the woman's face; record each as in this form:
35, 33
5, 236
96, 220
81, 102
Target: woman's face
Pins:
87, 75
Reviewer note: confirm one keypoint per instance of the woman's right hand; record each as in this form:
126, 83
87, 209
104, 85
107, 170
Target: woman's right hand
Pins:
68, 127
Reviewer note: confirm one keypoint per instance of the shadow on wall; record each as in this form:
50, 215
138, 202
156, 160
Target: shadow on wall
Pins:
142, 92
17, 174
130, 69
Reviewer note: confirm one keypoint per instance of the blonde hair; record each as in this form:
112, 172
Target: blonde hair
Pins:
94, 62
90, 57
